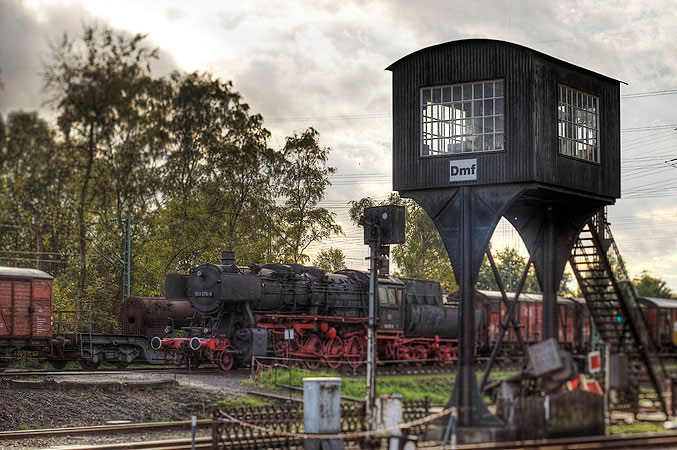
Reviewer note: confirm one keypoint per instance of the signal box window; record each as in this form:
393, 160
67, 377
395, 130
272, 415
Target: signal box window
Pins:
578, 124
462, 118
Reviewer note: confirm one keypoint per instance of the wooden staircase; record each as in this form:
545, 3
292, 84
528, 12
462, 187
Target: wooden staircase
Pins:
613, 305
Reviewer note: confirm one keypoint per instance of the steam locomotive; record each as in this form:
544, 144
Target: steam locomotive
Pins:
230, 314
225, 314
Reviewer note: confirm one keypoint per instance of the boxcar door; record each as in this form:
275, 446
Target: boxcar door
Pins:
6, 292
42, 308
21, 308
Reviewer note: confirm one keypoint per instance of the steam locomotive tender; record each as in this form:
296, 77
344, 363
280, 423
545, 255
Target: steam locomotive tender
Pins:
303, 313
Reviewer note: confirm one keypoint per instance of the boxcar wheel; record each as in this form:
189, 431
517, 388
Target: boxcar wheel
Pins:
88, 364
58, 364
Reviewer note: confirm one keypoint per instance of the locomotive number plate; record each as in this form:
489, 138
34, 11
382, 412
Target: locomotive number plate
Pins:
203, 294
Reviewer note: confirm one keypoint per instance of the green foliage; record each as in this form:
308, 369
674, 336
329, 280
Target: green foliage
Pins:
299, 221
330, 259
35, 196
104, 96
635, 427
183, 156
423, 255
650, 286
510, 265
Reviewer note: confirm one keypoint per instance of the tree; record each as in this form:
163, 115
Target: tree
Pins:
650, 286
330, 259
34, 192
98, 82
218, 180
510, 265
303, 180
423, 254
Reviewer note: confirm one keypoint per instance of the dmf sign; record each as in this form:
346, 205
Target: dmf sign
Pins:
463, 170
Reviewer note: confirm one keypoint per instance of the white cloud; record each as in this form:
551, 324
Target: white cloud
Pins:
317, 59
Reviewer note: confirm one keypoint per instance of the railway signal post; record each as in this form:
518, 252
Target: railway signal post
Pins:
383, 225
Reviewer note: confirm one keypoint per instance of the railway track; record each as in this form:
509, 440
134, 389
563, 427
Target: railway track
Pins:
168, 444
621, 441
650, 440
102, 429
169, 370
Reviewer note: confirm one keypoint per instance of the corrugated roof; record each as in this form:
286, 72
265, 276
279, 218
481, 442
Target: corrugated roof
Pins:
669, 303
21, 272
496, 41
524, 297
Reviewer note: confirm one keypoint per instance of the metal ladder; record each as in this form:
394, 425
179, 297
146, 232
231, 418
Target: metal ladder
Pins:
613, 304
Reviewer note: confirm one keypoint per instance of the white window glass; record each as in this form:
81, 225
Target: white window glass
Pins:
462, 118
577, 119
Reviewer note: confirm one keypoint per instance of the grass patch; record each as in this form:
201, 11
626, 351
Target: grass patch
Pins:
636, 427
437, 387
241, 401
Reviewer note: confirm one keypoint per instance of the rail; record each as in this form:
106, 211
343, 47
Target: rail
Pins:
102, 429
643, 440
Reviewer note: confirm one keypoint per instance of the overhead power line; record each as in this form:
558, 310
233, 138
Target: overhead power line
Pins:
649, 94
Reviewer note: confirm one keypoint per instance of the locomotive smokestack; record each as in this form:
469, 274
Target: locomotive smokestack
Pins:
227, 258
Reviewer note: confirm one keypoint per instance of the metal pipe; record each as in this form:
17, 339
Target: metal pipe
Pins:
467, 315
549, 326
371, 335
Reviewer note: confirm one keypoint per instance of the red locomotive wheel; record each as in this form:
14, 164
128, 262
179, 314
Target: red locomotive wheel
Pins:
445, 355
404, 353
226, 361
354, 351
420, 354
313, 346
333, 352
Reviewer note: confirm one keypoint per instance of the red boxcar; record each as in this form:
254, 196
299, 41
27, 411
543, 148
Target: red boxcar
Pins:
25, 306
572, 321
661, 315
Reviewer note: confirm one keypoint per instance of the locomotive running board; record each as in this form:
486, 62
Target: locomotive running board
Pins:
612, 301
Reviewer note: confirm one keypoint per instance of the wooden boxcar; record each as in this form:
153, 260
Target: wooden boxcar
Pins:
25, 310
661, 315
574, 323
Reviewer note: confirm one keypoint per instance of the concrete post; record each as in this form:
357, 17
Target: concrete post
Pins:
322, 411
389, 415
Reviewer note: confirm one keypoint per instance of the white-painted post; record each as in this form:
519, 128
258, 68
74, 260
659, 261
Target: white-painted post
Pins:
193, 427
322, 411
389, 416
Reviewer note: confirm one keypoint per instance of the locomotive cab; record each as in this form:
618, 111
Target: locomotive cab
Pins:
390, 304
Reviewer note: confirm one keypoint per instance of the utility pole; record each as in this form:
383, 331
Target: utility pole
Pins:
126, 260
127, 281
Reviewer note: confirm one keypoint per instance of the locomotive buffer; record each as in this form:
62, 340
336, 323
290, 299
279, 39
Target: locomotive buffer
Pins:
383, 225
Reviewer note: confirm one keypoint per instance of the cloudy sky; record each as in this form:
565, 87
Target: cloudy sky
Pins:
321, 63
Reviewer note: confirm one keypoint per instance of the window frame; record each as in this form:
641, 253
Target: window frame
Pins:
471, 100
598, 114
